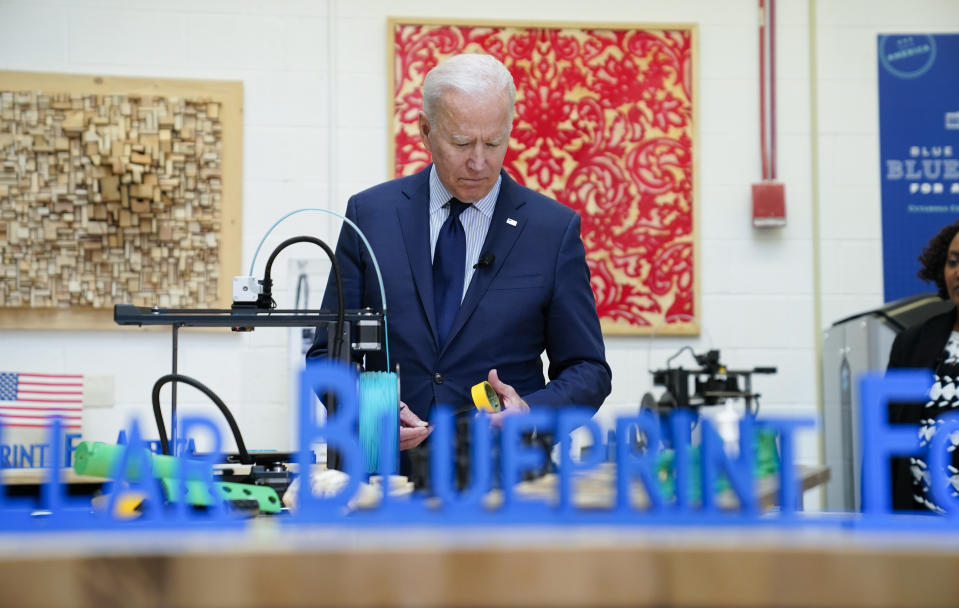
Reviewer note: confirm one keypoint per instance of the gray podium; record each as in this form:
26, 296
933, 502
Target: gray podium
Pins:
851, 347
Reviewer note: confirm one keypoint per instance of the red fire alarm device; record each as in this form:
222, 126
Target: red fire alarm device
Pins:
769, 205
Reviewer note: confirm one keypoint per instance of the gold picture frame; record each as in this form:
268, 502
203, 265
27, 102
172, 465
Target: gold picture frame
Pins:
583, 86
84, 144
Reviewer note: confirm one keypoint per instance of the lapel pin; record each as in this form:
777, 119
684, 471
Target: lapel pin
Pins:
510, 221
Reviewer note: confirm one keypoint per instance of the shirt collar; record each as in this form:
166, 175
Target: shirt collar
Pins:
439, 195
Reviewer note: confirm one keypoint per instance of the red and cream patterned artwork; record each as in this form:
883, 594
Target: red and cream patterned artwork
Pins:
603, 124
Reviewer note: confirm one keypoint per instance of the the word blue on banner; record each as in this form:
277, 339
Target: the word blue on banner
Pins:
919, 150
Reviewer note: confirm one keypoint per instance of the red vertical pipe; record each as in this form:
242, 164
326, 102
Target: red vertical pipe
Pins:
772, 89
762, 87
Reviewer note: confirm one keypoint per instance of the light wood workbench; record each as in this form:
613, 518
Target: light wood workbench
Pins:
552, 566
270, 565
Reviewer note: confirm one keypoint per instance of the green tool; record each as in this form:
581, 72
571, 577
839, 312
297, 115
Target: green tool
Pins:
238, 494
98, 459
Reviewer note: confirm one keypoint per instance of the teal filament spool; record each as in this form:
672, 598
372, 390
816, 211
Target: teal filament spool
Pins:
379, 417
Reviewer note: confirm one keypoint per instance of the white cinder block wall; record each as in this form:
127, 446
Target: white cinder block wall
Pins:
314, 75
849, 141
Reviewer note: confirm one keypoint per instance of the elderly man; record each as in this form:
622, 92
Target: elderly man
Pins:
482, 275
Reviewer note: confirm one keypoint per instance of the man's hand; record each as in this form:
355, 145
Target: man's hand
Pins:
412, 430
509, 400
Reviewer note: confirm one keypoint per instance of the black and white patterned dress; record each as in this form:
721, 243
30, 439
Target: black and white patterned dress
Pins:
943, 398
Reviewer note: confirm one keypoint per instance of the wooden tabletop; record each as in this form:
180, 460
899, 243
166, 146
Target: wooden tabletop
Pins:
275, 565
36, 476
550, 566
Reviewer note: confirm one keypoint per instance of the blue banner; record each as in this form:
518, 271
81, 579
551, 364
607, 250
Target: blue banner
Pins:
919, 151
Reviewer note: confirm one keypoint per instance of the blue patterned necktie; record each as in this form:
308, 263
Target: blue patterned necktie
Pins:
449, 268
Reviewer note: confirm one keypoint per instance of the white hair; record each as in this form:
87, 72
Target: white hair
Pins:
471, 73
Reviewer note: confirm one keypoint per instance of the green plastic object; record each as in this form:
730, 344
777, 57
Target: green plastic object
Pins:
766, 463
198, 495
97, 459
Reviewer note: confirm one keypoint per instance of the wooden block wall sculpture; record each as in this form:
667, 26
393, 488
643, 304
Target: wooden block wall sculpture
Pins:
109, 199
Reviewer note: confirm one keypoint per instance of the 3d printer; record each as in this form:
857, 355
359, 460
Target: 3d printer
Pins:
253, 306
713, 383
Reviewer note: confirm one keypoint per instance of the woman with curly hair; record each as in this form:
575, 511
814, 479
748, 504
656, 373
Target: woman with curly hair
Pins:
933, 345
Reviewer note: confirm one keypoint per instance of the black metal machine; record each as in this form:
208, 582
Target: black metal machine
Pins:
253, 306
711, 384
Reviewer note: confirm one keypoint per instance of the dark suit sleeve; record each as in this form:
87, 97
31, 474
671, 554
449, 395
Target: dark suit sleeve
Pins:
350, 260
902, 348
915, 347
899, 475
578, 372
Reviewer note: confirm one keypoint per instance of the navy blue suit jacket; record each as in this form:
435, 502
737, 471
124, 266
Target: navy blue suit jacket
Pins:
534, 297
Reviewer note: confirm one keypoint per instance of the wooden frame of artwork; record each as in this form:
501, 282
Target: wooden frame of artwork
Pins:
605, 123
133, 188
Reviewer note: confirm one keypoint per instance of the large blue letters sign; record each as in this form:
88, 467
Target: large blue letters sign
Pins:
919, 150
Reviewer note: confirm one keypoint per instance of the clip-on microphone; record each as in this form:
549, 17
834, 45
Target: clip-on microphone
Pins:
484, 261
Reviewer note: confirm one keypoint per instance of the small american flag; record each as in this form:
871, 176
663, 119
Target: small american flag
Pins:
32, 400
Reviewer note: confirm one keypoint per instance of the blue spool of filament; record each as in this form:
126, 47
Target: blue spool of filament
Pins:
379, 417
378, 391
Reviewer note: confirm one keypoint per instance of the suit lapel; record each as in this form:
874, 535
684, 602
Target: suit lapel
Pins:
414, 221
507, 223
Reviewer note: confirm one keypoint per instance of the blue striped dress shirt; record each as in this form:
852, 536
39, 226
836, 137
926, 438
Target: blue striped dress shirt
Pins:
475, 220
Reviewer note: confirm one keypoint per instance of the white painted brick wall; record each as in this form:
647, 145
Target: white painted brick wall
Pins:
757, 289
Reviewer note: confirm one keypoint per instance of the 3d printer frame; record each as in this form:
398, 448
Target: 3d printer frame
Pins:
369, 325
